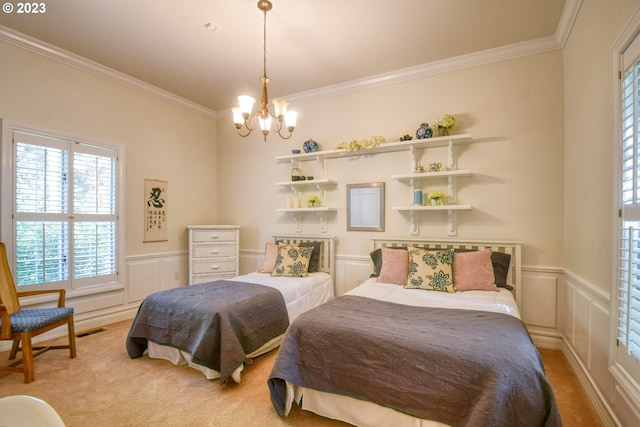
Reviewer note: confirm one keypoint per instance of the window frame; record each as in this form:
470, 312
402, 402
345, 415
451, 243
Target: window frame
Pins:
7, 205
624, 367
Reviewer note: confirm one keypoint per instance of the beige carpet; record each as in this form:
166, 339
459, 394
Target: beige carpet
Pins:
103, 387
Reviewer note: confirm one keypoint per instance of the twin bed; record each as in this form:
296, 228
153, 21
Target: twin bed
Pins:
433, 338
219, 326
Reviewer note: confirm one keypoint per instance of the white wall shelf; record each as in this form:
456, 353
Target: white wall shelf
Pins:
382, 148
322, 212
415, 147
452, 217
430, 175
316, 182
450, 173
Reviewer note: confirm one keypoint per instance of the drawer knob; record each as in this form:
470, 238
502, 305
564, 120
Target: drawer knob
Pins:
215, 251
214, 267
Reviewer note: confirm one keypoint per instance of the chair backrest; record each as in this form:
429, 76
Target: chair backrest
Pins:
28, 411
8, 292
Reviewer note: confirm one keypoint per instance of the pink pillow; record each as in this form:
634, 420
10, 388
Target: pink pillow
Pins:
395, 266
270, 256
474, 271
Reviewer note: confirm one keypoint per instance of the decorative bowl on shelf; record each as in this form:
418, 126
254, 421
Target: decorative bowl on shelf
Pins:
310, 146
295, 151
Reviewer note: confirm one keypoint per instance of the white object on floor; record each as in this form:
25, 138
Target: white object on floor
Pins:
27, 411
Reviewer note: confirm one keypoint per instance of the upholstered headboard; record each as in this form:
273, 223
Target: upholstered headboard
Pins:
514, 277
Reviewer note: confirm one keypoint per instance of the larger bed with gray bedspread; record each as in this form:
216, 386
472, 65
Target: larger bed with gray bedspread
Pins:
386, 355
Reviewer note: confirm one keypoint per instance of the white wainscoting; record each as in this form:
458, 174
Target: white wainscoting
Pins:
585, 324
539, 305
560, 309
148, 274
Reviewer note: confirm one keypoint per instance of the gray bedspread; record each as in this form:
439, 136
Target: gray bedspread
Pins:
459, 367
217, 323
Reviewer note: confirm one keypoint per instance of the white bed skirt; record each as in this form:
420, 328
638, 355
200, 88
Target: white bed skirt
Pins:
179, 357
354, 411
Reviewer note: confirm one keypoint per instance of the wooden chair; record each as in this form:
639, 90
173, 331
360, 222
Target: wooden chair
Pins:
21, 325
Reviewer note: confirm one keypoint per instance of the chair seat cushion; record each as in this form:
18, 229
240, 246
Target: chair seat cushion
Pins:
32, 319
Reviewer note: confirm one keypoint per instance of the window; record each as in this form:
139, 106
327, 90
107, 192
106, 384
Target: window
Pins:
64, 223
628, 303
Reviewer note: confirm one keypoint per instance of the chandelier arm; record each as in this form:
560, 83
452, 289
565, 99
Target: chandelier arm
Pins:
249, 124
285, 137
279, 131
244, 135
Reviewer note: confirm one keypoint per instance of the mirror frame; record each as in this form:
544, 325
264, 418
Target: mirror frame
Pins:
379, 206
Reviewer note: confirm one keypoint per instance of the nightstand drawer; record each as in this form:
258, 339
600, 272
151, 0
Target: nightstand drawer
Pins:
212, 267
206, 278
202, 236
214, 251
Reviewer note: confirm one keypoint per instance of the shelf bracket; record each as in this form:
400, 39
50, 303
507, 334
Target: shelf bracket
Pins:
415, 223
322, 163
453, 156
323, 194
298, 218
453, 189
415, 157
452, 217
322, 216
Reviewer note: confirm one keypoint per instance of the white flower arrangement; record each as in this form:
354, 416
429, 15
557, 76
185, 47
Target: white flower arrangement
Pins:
435, 195
357, 145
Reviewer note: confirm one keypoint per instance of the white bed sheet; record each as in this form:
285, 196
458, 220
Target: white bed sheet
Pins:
501, 301
365, 413
300, 294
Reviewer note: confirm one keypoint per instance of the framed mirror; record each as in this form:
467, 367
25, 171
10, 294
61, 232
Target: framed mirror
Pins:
365, 207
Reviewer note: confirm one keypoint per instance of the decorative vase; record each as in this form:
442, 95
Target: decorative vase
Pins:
310, 146
437, 202
417, 197
443, 131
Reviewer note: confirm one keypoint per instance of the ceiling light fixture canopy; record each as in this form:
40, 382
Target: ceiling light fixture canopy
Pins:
245, 121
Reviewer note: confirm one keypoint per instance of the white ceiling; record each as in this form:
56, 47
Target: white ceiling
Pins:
310, 44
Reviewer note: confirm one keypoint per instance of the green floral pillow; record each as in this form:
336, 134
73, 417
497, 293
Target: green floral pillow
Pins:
430, 269
292, 260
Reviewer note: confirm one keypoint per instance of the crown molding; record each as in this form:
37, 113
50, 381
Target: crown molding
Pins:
542, 45
53, 52
504, 53
567, 19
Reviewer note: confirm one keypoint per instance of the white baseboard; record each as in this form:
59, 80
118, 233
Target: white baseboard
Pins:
604, 410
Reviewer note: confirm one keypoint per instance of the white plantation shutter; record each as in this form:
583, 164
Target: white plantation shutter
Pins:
629, 230
65, 215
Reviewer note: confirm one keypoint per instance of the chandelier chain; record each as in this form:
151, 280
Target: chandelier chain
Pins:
264, 44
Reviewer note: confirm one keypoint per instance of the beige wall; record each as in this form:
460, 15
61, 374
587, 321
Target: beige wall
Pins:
512, 108
161, 140
590, 142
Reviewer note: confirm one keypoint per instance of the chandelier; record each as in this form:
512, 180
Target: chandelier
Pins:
245, 121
